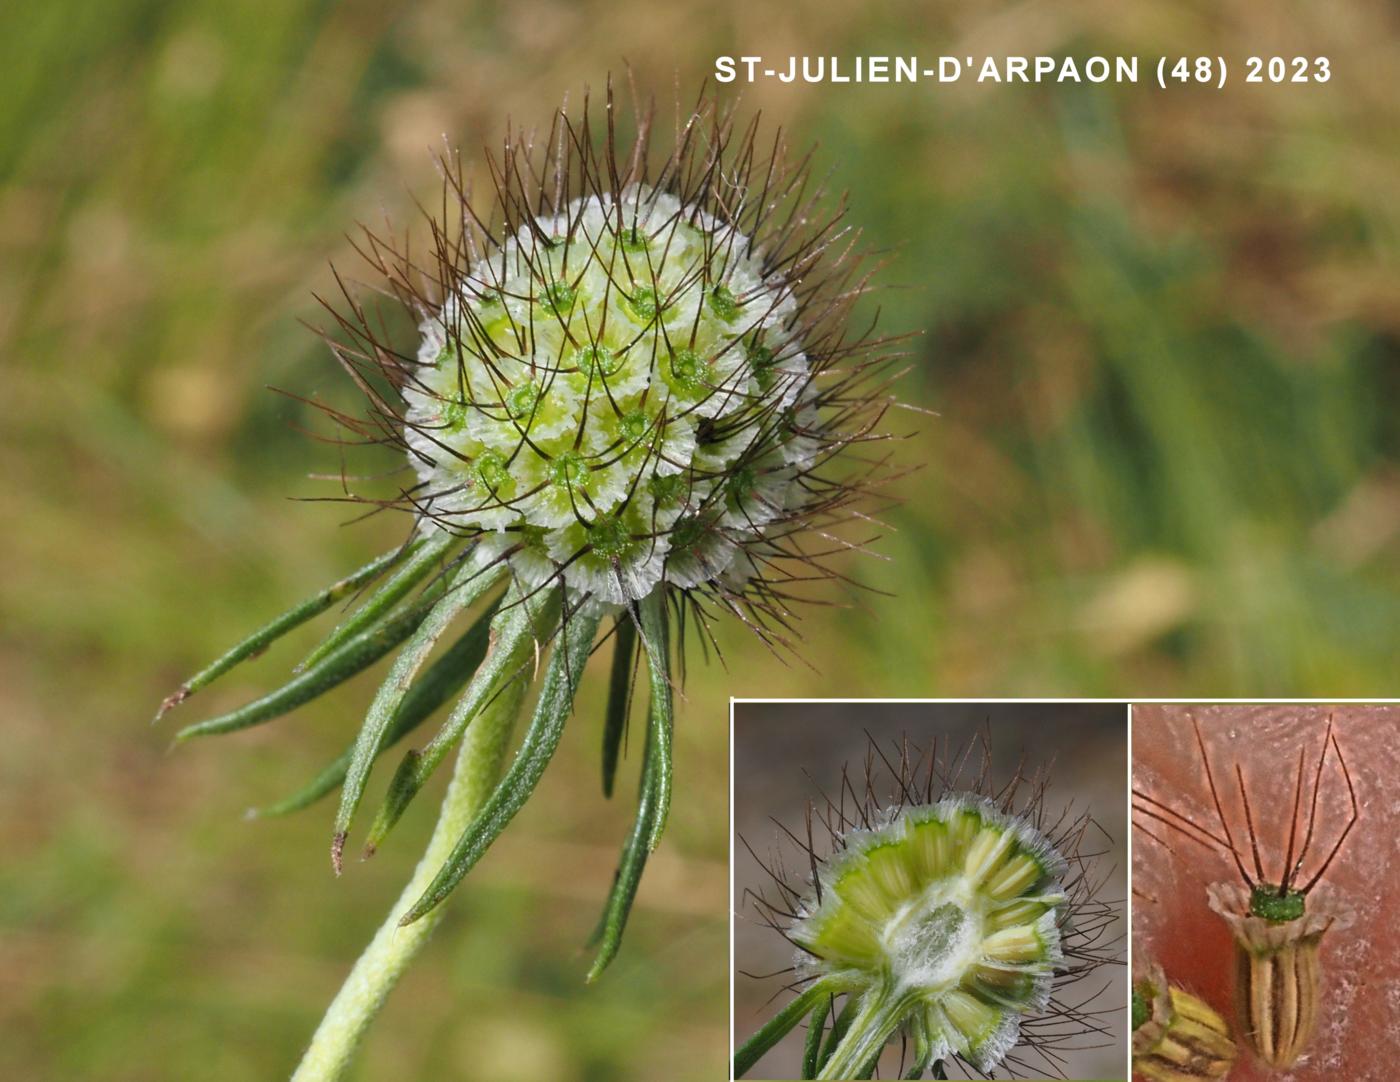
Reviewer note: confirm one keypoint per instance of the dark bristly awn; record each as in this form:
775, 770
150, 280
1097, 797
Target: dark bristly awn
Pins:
636, 397
1278, 923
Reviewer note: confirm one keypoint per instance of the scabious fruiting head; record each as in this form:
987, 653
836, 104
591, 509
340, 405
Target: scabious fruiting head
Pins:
943, 913
619, 392
951, 910
623, 383
631, 373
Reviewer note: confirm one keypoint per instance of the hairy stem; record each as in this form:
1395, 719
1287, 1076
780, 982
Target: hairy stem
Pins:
552, 709
478, 768
468, 583
878, 1016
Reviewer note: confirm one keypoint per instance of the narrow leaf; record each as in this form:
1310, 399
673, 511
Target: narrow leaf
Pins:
542, 738
619, 699
261, 639
654, 639
442, 680
519, 618
816, 1024
923, 1049
777, 1027
471, 580
429, 552
654, 792
629, 870
838, 1031
355, 656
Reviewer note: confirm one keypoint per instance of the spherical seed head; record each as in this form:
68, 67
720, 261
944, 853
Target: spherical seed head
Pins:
593, 380
943, 906
632, 374
954, 905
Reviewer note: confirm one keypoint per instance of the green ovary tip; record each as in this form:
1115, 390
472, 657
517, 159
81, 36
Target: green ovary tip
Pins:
723, 303
609, 538
520, 402
644, 303
1266, 901
557, 296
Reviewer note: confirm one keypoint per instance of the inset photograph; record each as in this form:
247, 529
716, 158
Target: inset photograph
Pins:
1265, 937
930, 890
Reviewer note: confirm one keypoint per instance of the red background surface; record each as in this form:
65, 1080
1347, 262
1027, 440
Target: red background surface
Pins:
1358, 1034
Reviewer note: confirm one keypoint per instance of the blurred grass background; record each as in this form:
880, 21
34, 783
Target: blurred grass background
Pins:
1162, 334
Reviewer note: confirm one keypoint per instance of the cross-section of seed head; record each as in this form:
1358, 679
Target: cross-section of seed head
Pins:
948, 916
943, 914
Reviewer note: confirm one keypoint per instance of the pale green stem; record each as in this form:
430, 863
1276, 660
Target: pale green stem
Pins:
880, 1013
478, 768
